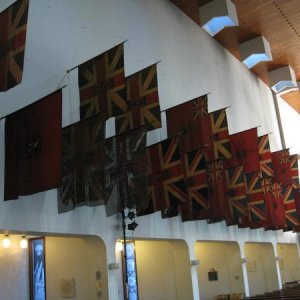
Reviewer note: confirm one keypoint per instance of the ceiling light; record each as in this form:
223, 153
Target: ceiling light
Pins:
6, 242
255, 51
282, 79
218, 14
23, 242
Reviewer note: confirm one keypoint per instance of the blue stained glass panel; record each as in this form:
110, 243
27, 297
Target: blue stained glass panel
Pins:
131, 272
38, 269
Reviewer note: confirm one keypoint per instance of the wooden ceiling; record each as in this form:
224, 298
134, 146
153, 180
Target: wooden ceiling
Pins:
277, 20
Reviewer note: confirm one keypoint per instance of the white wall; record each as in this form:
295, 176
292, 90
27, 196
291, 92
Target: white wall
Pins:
14, 271
62, 34
290, 124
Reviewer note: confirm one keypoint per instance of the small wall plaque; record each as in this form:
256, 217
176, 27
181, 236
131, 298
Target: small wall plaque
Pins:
67, 288
212, 275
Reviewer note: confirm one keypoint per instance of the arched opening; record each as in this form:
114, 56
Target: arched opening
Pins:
261, 268
163, 269
220, 269
74, 266
289, 262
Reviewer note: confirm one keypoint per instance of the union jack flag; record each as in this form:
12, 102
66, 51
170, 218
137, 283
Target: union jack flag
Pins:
267, 185
291, 215
282, 167
142, 102
244, 149
236, 191
256, 200
277, 208
12, 44
190, 120
197, 205
166, 180
102, 84
265, 156
219, 147
83, 162
217, 198
126, 170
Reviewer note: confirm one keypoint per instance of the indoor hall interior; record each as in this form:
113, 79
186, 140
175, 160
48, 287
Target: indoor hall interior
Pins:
145, 152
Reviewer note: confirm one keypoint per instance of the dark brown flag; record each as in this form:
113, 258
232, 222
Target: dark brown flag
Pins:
12, 44
33, 148
83, 164
191, 121
126, 171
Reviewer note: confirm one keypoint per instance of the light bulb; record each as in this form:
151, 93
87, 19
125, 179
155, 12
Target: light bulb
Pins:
23, 243
6, 242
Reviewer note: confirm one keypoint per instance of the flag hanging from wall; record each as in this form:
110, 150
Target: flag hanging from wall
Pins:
142, 102
219, 146
33, 148
83, 160
167, 187
197, 206
265, 157
237, 196
190, 120
291, 214
244, 149
126, 171
274, 204
13, 30
102, 84
282, 167
217, 193
256, 200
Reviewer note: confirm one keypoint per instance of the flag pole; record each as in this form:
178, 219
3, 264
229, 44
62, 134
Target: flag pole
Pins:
125, 250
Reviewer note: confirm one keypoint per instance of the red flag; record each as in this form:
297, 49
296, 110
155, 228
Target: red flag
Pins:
219, 146
265, 156
12, 44
190, 120
167, 187
274, 204
33, 148
256, 200
282, 167
102, 84
244, 149
237, 197
83, 159
217, 196
197, 206
142, 101
291, 215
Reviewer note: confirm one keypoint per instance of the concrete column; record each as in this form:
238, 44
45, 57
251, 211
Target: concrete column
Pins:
244, 269
277, 266
194, 271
